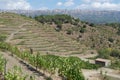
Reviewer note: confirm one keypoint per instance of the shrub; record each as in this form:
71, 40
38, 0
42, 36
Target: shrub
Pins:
111, 40
2, 37
84, 26
92, 25
104, 53
115, 53
82, 30
69, 31
58, 27
118, 32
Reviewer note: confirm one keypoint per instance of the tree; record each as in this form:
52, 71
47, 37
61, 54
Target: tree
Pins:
118, 32
104, 53
59, 27
82, 30
2, 37
92, 25
111, 40
69, 31
115, 53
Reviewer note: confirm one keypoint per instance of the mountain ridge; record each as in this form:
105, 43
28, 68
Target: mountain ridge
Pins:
91, 16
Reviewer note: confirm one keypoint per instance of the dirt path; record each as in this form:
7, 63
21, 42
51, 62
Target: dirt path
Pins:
27, 69
12, 61
98, 74
12, 34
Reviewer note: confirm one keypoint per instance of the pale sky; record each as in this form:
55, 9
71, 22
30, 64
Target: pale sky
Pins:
60, 4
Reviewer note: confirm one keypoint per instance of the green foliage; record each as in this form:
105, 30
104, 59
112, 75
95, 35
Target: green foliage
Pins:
23, 15
118, 32
4, 45
15, 74
2, 37
68, 67
106, 53
84, 26
116, 64
92, 24
115, 53
59, 27
114, 25
69, 31
82, 30
111, 40
30, 17
1, 64
57, 19
12, 49
49, 78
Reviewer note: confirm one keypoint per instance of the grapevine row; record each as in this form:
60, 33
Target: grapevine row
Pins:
67, 67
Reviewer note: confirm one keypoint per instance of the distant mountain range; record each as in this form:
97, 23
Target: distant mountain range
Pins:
92, 16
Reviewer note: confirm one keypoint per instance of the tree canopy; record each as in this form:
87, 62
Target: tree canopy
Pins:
57, 19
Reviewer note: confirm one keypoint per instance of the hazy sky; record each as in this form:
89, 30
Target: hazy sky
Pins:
60, 4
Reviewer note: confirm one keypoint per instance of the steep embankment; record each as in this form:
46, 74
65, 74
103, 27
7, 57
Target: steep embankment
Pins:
89, 34
75, 36
39, 37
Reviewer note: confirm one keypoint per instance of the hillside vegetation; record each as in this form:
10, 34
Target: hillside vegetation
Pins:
92, 16
89, 34
67, 34
46, 41
40, 37
103, 38
21, 37
67, 67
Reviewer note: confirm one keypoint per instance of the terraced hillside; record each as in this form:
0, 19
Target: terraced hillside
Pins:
29, 34
89, 34
10, 22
